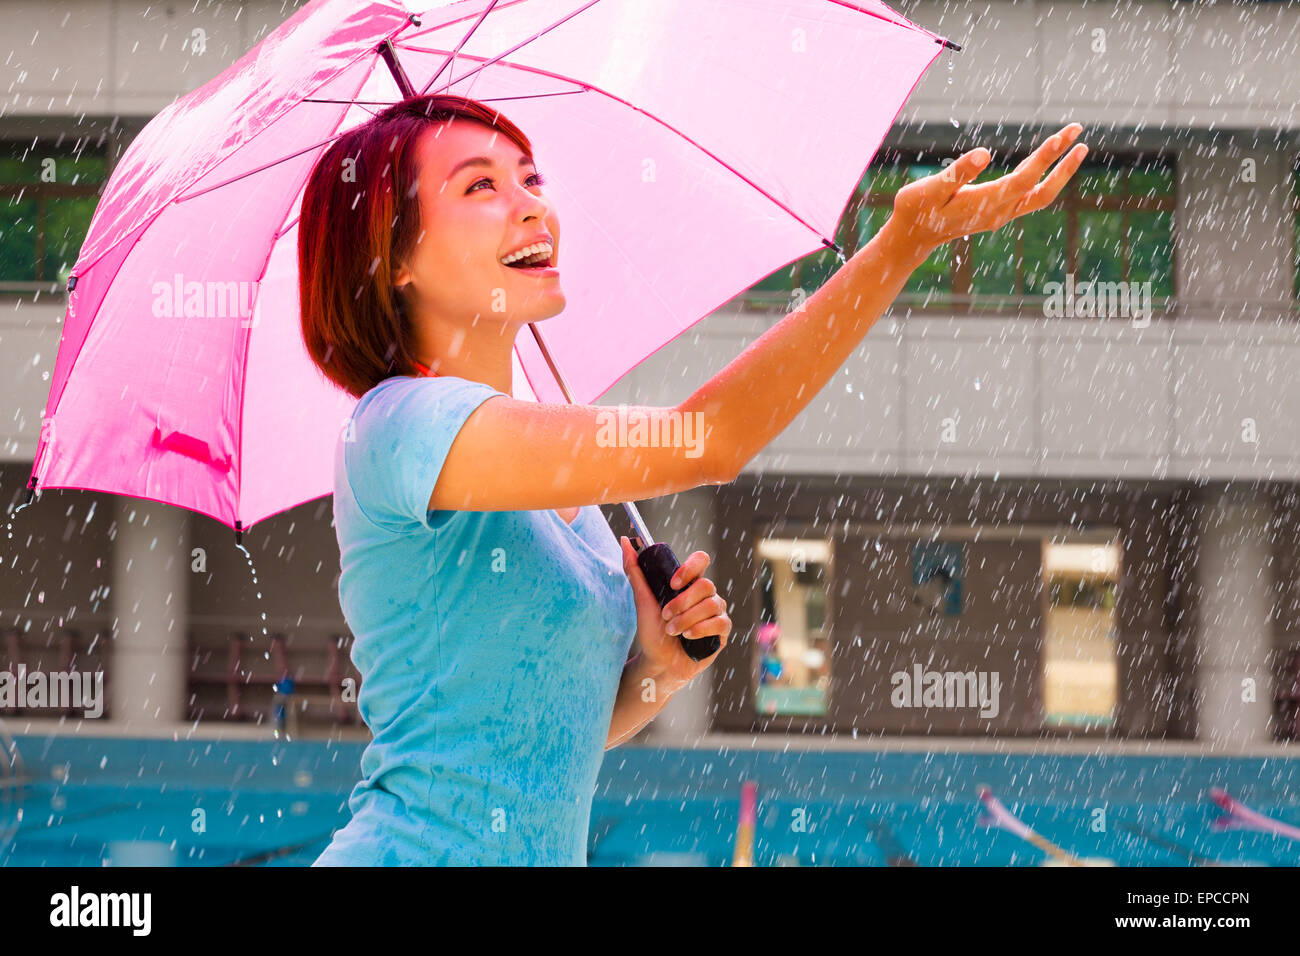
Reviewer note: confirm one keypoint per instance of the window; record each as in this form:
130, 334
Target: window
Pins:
1112, 223
48, 192
1080, 672
793, 646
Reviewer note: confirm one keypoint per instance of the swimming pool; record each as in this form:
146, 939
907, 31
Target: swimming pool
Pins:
115, 801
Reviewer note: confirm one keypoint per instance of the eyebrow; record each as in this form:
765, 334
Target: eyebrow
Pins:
486, 161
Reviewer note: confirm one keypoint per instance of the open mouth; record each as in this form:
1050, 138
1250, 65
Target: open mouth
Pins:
525, 265
537, 259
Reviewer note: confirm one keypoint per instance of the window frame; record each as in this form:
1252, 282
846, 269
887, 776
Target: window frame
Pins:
107, 140
960, 300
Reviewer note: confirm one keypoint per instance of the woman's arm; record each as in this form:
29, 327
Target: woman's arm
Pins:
753, 399
513, 455
662, 667
642, 693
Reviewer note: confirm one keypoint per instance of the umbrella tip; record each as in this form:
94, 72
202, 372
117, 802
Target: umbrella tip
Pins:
239, 533
951, 46
72, 283
835, 248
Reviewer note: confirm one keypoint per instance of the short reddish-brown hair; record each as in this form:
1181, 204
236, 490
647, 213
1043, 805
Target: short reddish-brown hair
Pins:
360, 218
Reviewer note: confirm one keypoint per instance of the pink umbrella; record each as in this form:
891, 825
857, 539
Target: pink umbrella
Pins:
678, 138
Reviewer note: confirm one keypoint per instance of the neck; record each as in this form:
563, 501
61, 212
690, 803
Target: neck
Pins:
481, 353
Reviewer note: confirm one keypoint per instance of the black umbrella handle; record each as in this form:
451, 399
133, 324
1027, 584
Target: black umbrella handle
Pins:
659, 564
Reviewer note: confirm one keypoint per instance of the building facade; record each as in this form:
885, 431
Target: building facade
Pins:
1054, 492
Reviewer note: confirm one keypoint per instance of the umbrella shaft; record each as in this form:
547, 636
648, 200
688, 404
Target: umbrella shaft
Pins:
633, 515
390, 57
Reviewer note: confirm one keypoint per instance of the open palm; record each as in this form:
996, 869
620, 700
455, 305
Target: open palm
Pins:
939, 208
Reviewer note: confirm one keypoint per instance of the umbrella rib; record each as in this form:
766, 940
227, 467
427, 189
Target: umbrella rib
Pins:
485, 99
284, 159
451, 57
241, 146
523, 43
251, 172
357, 102
587, 87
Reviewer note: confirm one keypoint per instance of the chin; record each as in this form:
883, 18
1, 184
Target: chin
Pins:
553, 306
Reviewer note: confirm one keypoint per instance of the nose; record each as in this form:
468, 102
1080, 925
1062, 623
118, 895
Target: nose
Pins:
531, 206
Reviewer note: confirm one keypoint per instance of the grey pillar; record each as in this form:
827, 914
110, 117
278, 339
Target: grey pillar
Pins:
151, 566
1244, 191
1233, 679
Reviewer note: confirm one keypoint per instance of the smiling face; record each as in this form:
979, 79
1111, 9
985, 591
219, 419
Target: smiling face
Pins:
471, 216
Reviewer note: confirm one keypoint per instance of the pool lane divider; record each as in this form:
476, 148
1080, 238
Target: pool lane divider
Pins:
1238, 816
997, 815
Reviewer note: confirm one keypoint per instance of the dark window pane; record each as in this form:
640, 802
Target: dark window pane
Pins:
870, 219
885, 179
87, 169
934, 275
993, 261
1043, 249
1100, 182
782, 280
816, 269
42, 169
15, 170
67, 220
921, 170
1151, 182
17, 239
23, 163
1152, 241
1101, 248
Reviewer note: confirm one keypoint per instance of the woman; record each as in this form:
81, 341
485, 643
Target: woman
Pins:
492, 609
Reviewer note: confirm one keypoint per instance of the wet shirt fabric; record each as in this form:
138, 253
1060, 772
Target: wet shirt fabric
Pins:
490, 647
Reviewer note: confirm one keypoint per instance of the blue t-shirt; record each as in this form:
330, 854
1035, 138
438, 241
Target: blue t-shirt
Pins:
490, 646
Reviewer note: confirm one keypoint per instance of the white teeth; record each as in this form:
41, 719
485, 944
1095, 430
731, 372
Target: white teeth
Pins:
527, 251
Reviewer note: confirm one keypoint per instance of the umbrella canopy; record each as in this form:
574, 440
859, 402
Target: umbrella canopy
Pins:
692, 147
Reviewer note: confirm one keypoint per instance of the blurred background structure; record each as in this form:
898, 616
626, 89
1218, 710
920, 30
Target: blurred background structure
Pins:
1068, 455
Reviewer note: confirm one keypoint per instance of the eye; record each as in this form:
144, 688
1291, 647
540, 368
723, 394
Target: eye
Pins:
540, 181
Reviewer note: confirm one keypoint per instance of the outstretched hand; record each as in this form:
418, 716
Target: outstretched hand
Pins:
942, 207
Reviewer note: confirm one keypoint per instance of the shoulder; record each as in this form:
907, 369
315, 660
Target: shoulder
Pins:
401, 433
403, 395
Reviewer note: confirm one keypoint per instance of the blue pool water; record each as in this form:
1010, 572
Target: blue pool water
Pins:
109, 801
